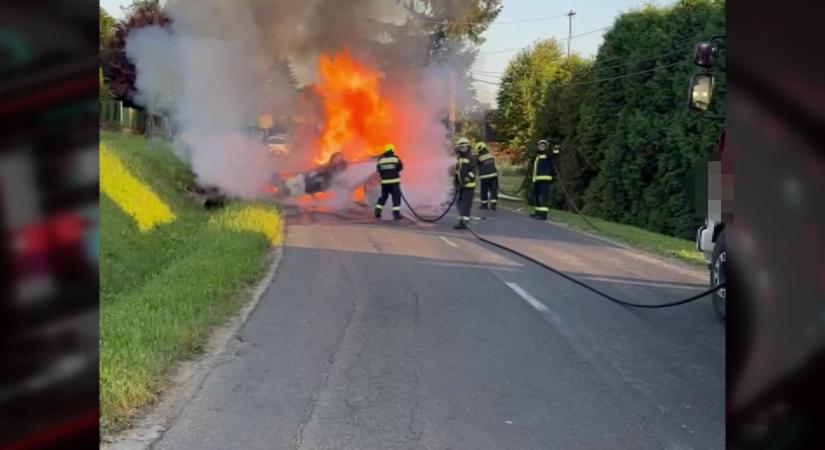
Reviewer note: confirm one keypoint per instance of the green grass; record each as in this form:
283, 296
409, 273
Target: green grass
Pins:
660, 244
510, 183
169, 270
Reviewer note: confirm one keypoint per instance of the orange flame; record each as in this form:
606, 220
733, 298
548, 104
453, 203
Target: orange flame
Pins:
358, 118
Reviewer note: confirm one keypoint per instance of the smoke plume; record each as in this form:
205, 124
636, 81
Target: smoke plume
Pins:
211, 72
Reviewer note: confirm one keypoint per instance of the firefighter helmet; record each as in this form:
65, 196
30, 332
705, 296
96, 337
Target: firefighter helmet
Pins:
462, 141
265, 121
481, 146
389, 148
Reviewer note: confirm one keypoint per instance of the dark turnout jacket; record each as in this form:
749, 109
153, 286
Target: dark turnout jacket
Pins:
465, 170
390, 167
486, 165
543, 168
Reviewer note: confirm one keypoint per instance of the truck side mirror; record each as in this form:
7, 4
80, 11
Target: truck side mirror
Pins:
701, 91
705, 55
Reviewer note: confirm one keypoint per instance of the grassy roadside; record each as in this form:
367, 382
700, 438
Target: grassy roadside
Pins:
169, 270
660, 244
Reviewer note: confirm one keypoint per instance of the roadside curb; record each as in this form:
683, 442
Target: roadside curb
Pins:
661, 258
191, 374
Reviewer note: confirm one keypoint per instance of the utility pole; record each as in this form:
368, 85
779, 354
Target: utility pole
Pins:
439, 52
569, 30
452, 101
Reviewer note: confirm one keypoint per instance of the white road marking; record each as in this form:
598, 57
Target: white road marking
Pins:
527, 297
449, 242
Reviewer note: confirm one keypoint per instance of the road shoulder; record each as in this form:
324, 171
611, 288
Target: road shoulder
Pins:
190, 374
511, 206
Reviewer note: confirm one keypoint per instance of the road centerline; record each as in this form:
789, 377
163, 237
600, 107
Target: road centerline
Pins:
448, 242
527, 297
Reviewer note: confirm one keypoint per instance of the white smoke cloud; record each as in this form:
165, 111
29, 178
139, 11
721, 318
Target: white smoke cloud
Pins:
209, 72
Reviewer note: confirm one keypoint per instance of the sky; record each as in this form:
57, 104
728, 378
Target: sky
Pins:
590, 15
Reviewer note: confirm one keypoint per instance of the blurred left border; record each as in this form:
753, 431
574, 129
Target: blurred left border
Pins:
49, 223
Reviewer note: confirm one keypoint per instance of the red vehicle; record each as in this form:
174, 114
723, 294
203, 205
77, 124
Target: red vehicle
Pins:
710, 238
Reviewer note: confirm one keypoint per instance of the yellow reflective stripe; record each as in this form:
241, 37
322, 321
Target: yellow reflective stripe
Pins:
465, 218
541, 157
388, 160
464, 160
485, 157
494, 201
391, 181
470, 185
542, 209
542, 178
396, 208
489, 175
379, 206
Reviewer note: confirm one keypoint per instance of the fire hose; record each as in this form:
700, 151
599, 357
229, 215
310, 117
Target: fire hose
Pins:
520, 188
562, 274
592, 289
424, 219
566, 196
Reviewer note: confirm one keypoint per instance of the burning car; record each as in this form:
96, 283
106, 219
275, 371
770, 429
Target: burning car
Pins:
311, 182
356, 179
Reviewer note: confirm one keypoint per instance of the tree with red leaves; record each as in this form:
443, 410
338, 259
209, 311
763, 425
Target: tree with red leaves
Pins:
118, 71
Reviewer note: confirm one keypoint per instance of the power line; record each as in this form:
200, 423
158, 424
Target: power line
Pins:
624, 76
602, 79
510, 50
485, 81
675, 42
498, 77
506, 22
488, 72
628, 63
600, 69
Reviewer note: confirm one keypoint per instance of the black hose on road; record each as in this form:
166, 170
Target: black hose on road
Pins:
424, 219
521, 188
562, 274
575, 208
592, 289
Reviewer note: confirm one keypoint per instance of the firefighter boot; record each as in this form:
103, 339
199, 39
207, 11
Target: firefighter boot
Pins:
493, 206
461, 225
396, 215
377, 214
483, 206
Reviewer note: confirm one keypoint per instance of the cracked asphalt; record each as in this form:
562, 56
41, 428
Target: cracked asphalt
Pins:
407, 336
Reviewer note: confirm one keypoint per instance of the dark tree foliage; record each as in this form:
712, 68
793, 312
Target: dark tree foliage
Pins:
629, 142
449, 32
118, 71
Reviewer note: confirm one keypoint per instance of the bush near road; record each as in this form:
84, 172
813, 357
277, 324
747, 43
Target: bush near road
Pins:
169, 270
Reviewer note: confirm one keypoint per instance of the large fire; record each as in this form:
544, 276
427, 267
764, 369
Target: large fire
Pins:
359, 121
356, 110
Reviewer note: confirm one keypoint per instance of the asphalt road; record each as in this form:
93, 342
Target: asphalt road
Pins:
399, 335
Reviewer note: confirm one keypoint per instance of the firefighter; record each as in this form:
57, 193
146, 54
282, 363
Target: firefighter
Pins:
542, 176
389, 167
465, 179
488, 175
